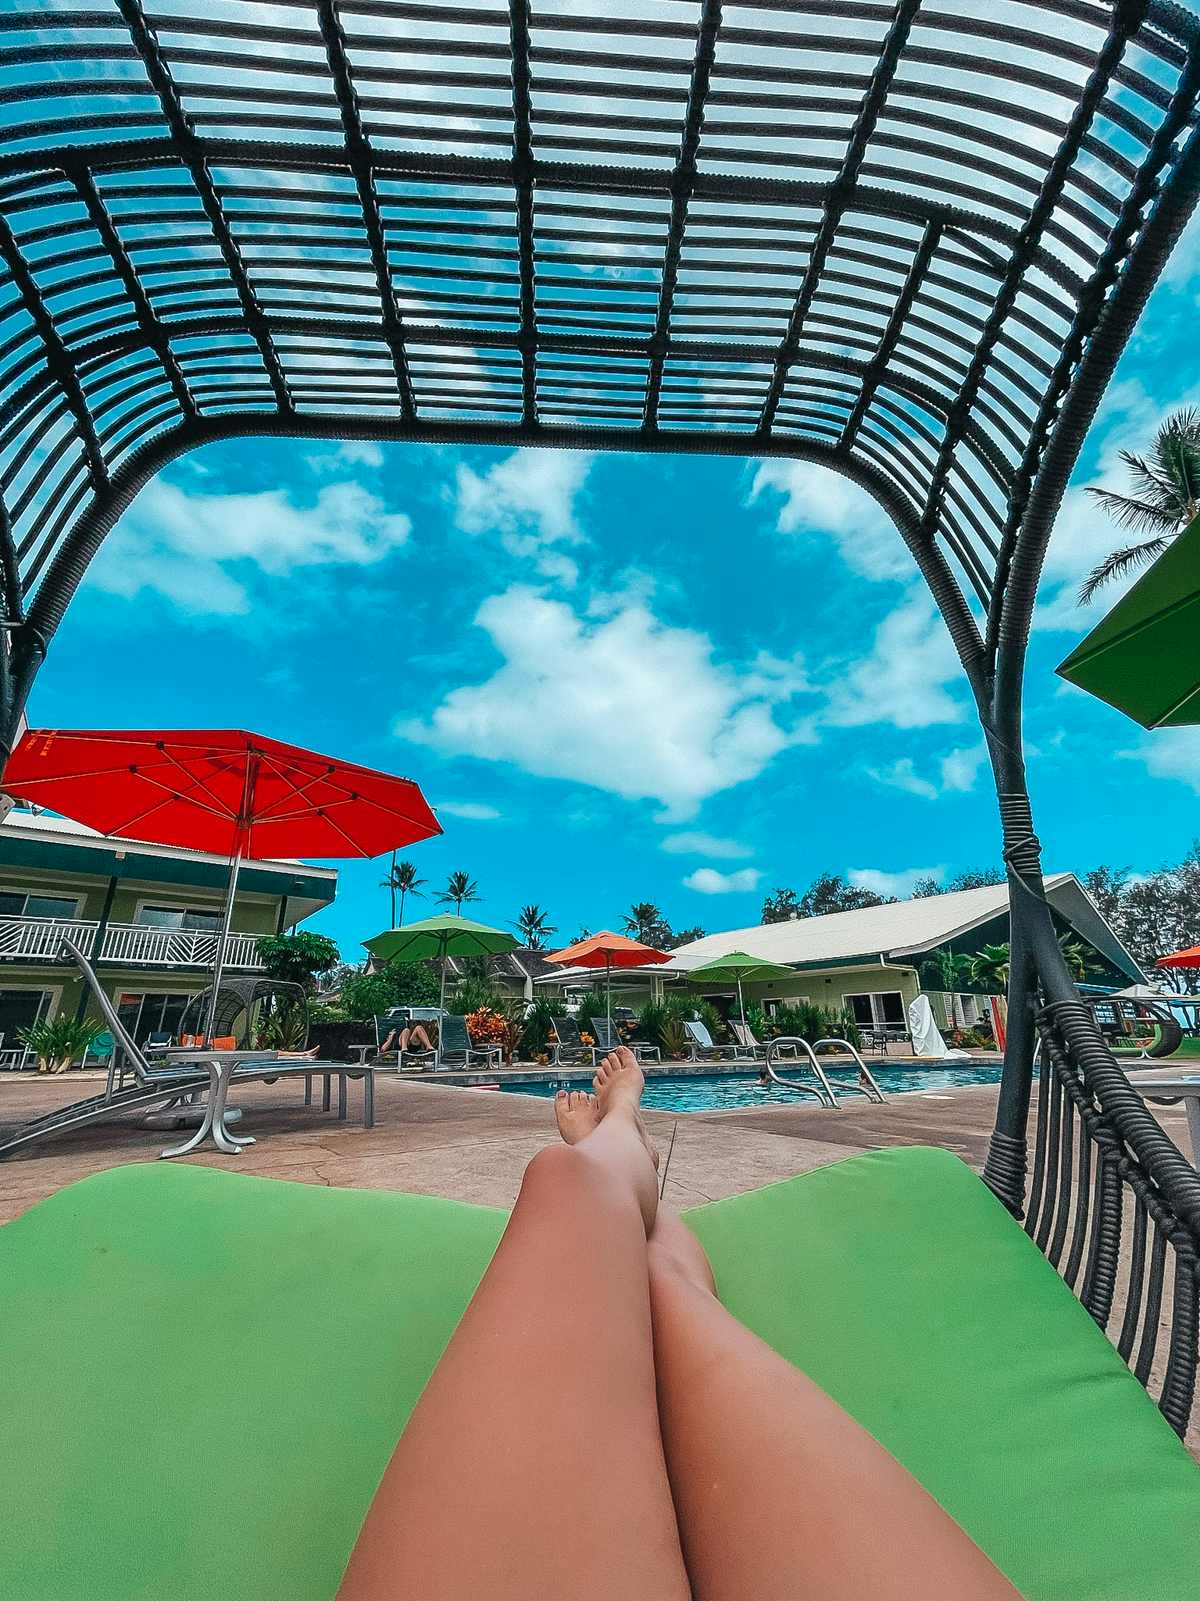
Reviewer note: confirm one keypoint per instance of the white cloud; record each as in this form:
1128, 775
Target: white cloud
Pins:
819, 501
960, 768
528, 499
192, 547
722, 850
1170, 753
469, 811
900, 884
902, 774
623, 702
903, 679
708, 881
955, 772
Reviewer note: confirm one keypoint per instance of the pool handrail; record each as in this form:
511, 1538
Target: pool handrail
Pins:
873, 1093
825, 1094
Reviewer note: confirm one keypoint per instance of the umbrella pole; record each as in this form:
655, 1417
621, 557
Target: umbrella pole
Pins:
222, 941
741, 1002
608, 992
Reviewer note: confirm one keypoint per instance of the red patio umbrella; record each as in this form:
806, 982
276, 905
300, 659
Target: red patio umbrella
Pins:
1187, 958
608, 951
219, 790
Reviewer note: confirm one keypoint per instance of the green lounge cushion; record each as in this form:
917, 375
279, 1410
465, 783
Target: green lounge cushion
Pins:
202, 1374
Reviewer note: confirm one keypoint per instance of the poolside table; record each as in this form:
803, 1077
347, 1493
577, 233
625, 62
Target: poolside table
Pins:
222, 1067
1164, 1090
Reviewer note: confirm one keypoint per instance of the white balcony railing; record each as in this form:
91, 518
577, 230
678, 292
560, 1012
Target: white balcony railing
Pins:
39, 939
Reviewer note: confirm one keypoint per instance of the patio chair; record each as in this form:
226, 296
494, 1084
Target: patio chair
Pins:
702, 1048
744, 1035
607, 1039
570, 1047
455, 1043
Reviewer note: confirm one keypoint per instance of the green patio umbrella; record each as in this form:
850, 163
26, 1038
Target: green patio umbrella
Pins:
439, 937
1144, 658
738, 968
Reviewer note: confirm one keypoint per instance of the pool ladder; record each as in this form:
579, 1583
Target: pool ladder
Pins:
826, 1089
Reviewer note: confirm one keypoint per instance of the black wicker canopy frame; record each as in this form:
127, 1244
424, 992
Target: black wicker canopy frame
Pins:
907, 241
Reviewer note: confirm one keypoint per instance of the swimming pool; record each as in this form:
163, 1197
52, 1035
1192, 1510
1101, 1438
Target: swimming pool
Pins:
723, 1092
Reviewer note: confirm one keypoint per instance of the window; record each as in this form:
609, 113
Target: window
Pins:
18, 1009
877, 1009
181, 917
772, 1003
18, 903
149, 1013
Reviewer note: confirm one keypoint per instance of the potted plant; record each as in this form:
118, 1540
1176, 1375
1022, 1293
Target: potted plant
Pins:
57, 1041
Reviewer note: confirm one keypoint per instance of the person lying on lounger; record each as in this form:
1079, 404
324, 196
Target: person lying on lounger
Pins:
412, 1037
600, 1428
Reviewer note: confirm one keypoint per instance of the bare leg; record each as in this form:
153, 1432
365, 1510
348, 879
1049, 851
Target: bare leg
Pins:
532, 1465
778, 1492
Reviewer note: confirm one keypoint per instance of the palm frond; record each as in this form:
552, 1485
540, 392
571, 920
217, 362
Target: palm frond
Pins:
1140, 515
1117, 563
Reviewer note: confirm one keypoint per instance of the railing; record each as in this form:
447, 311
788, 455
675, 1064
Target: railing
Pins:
39, 939
1115, 1207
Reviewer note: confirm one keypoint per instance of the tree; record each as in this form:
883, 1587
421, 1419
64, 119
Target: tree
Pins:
685, 936
297, 958
969, 878
1078, 958
402, 880
646, 923
829, 892
533, 927
1152, 913
397, 984
460, 888
1165, 499
780, 906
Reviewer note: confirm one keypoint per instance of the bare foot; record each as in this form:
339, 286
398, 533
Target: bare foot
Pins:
619, 1083
674, 1248
577, 1113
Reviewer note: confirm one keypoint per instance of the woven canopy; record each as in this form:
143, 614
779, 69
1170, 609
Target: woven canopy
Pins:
906, 240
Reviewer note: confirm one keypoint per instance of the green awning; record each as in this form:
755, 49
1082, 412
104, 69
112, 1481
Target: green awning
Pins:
1144, 658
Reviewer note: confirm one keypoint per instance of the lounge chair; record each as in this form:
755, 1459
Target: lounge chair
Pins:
607, 1039
894, 1279
570, 1047
167, 1083
454, 1043
392, 1022
702, 1047
747, 1044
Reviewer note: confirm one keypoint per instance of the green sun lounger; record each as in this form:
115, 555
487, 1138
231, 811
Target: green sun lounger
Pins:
202, 1375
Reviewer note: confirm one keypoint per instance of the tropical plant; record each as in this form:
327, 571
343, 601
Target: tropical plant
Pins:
989, 968
57, 1041
460, 889
284, 1029
716, 1025
756, 1021
951, 969
297, 958
590, 1005
1079, 959
539, 1023
1165, 498
673, 1038
475, 994
534, 927
402, 880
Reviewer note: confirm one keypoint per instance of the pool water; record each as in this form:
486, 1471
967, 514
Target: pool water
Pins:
722, 1092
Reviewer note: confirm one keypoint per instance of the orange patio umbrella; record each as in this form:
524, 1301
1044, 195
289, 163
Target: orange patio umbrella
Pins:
1188, 958
608, 951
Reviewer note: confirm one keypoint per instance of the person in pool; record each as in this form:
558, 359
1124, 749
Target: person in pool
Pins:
764, 1076
600, 1428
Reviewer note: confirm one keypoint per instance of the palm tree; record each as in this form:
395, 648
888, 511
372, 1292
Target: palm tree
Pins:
1165, 499
990, 968
951, 970
460, 887
533, 927
1077, 957
644, 921
402, 880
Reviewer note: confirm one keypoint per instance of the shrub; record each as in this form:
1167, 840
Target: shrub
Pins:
591, 1005
756, 1021
285, 1029
297, 958
539, 1023
366, 995
474, 994
57, 1041
713, 1021
673, 1039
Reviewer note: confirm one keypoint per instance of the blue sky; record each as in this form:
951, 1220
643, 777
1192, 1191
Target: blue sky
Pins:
678, 679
